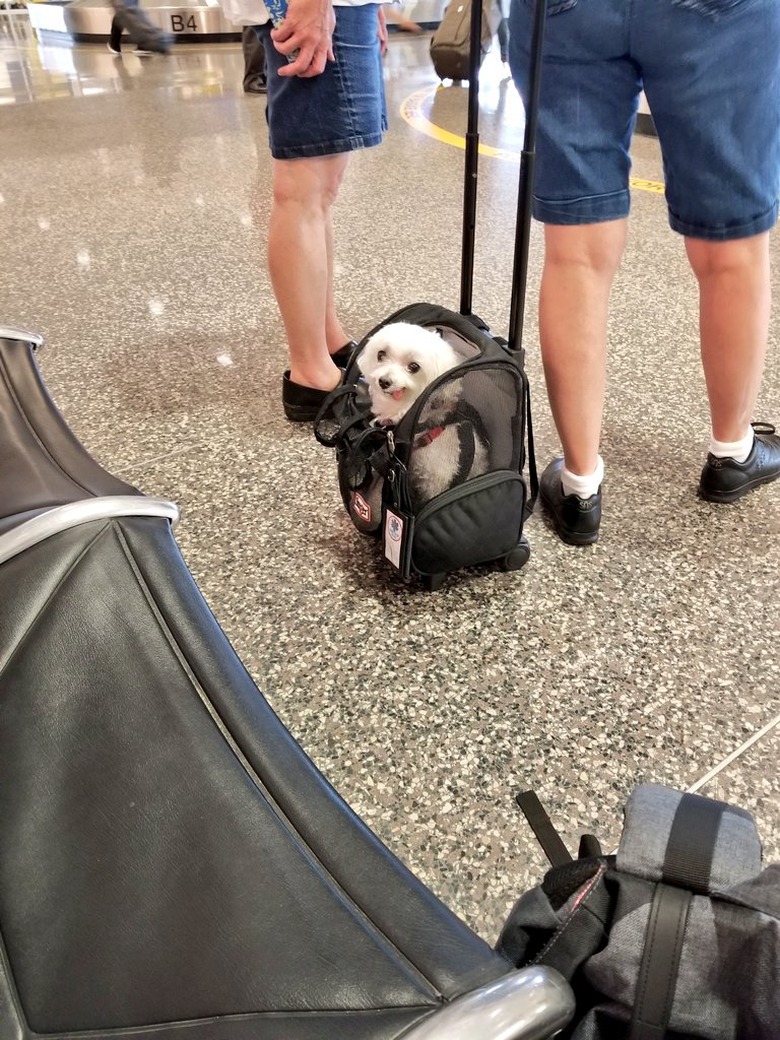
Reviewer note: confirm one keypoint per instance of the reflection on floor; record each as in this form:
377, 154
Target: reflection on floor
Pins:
133, 201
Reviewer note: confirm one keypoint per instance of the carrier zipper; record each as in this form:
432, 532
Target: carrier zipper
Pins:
485, 480
396, 478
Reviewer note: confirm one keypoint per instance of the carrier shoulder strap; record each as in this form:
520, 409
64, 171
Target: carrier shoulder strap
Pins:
686, 872
533, 478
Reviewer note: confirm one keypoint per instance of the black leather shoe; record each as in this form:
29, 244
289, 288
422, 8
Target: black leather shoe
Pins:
576, 520
301, 403
256, 85
343, 354
725, 480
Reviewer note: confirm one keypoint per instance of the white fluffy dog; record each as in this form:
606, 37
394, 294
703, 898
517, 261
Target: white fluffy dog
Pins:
451, 448
399, 361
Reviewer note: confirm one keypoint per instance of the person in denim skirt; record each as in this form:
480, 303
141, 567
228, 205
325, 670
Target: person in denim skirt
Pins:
325, 99
710, 70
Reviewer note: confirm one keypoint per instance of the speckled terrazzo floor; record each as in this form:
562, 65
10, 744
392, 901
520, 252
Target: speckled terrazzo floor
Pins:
132, 210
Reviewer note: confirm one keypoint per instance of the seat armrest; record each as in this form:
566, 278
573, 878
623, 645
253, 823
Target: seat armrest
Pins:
63, 518
531, 1004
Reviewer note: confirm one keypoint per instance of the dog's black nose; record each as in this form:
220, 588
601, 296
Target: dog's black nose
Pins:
385, 383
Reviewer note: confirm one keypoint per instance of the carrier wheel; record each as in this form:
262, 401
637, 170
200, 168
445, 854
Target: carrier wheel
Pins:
432, 582
518, 557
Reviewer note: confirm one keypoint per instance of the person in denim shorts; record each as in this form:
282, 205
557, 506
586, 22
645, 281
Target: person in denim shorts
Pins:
325, 99
710, 70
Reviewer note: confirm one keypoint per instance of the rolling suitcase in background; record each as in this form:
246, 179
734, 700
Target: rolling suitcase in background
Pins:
451, 42
478, 517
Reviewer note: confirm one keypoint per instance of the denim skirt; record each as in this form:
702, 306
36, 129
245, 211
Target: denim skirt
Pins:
338, 111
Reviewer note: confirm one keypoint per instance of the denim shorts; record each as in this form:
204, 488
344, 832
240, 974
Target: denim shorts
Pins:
338, 111
710, 70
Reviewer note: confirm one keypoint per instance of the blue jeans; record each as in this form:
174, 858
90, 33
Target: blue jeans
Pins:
710, 70
338, 111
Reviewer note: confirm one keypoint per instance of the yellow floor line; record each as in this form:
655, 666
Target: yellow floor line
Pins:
413, 112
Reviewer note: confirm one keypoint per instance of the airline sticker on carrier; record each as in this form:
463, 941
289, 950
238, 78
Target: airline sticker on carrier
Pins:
361, 508
398, 540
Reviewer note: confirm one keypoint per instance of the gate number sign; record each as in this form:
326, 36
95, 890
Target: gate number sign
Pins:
182, 23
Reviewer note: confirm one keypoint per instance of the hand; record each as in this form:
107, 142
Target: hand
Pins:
381, 29
306, 33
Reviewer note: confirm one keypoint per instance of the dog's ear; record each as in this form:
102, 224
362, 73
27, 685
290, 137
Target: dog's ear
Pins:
443, 360
365, 359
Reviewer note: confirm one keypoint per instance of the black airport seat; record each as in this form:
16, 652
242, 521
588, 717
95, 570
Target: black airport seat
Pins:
172, 865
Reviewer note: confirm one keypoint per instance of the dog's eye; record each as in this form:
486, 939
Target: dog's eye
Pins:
413, 367
381, 355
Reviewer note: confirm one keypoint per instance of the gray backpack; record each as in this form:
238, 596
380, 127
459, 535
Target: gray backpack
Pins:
677, 937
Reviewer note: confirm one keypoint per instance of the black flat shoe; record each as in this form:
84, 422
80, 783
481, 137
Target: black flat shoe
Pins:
258, 85
301, 403
576, 520
343, 354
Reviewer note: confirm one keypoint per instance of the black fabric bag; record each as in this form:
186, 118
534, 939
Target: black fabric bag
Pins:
445, 488
677, 937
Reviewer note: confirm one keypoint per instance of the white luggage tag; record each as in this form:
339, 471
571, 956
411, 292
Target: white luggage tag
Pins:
397, 532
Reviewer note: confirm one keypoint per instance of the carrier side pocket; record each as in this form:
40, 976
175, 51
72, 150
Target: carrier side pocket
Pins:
477, 521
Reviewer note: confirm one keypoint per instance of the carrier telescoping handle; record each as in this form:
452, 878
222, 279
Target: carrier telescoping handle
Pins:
525, 189
526, 186
471, 162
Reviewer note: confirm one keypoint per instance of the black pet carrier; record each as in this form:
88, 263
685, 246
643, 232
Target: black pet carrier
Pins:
445, 487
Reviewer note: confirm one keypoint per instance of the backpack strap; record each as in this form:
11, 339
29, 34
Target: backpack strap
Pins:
686, 871
691, 845
656, 837
542, 826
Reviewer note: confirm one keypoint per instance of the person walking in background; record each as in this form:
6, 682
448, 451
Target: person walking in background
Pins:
404, 24
255, 81
502, 32
710, 72
148, 38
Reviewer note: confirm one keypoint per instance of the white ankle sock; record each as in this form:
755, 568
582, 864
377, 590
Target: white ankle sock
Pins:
582, 487
737, 450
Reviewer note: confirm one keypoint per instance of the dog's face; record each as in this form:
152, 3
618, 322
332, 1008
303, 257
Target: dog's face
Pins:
399, 361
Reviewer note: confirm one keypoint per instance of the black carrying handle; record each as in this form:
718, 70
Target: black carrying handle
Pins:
525, 188
542, 826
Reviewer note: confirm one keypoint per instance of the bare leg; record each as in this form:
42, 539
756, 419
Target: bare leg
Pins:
334, 331
300, 261
580, 263
734, 303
